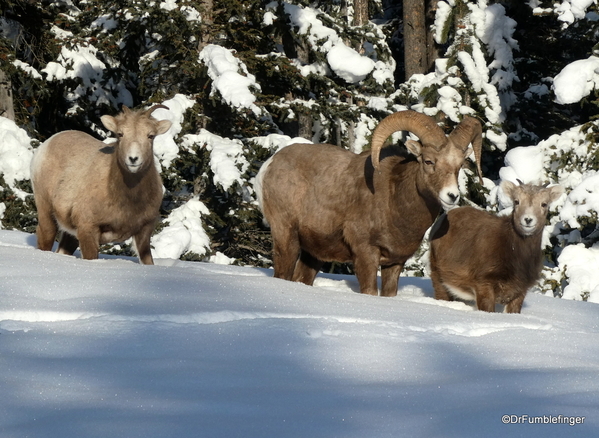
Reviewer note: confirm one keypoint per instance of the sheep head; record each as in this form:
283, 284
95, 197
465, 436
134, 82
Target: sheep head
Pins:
531, 204
439, 156
135, 131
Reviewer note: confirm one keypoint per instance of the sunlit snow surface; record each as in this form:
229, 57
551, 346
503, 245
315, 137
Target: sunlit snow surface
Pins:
110, 348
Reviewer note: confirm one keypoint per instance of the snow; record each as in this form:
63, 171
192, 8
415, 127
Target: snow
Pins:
576, 80
581, 266
113, 348
184, 232
349, 64
344, 61
81, 63
230, 77
227, 161
583, 200
165, 148
571, 10
15, 154
524, 164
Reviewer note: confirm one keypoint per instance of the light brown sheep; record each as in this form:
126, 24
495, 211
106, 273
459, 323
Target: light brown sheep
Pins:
97, 193
324, 203
476, 255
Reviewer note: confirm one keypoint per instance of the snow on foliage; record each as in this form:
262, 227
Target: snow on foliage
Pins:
487, 33
226, 157
571, 10
344, 61
230, 77
165, 147
576, 80
184, 232
580, 267
81, 63
349, 64
15, 154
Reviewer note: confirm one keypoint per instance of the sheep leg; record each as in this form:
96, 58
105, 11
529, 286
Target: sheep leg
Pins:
89, 243
306, 268
142, 244
390, 279
46, 229
485, 298
515, 306
68, 244
286, 250
441, 292
366, 266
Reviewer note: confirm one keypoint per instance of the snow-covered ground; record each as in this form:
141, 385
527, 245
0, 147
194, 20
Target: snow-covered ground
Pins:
111, 348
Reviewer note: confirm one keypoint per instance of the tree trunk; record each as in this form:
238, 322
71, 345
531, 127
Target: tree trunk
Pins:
207, 8
302, 126
6, 103
431, 46
415, 53
360, 12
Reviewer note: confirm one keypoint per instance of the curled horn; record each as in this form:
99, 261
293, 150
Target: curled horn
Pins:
469, 131
423, 126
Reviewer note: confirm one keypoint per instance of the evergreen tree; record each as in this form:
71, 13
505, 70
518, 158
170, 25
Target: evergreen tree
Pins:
71, 61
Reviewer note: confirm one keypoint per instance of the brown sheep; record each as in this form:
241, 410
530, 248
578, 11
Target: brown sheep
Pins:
324, 203
492, 259
97, 193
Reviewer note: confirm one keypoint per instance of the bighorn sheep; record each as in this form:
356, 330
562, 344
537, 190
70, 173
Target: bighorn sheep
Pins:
492, 259
324, 203
97, 193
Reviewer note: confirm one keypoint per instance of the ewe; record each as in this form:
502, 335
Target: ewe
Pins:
491, 259
97, 193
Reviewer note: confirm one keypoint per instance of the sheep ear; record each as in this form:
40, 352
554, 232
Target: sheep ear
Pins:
414, 147
162, 126
109, 123
508, 188
554, 193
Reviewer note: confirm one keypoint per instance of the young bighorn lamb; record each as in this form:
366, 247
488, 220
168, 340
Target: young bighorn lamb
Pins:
492, 259
97, 193
324, 203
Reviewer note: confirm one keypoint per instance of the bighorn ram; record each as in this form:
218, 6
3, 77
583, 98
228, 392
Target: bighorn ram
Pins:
324, 203
97, 193
492, 259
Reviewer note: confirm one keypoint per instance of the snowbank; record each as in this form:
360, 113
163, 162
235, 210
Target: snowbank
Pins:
111, 348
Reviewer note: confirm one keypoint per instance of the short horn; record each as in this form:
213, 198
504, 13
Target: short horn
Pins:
469, 131
423, 126
154, 108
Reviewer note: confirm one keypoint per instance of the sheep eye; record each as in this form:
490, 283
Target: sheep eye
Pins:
516, 202
119, 134
544, 205
429, 162
151, 136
